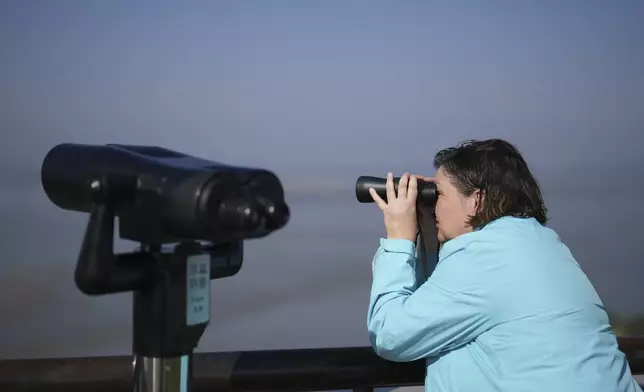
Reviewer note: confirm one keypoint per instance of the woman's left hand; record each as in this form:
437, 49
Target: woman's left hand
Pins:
399, 210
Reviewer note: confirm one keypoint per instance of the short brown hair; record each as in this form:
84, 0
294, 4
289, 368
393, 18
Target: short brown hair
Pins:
498, 170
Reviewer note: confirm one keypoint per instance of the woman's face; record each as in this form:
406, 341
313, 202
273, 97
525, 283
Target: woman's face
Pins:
453, 209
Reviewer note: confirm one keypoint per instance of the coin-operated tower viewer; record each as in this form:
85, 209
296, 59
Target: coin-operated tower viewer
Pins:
190, 217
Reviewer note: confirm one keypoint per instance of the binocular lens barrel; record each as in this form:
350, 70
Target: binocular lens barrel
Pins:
426, 190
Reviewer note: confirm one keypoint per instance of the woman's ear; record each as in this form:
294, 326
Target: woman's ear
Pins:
475, 200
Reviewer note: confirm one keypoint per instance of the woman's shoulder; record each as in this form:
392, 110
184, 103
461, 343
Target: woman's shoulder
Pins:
503, 239
506, 230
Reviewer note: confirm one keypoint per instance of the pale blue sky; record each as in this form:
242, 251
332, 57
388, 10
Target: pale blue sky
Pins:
314, 90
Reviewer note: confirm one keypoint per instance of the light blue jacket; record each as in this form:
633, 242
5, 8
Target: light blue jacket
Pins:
507, 308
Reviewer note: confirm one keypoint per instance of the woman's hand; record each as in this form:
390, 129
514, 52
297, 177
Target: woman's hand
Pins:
399, 210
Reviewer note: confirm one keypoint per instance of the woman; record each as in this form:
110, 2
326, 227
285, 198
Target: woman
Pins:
507, 307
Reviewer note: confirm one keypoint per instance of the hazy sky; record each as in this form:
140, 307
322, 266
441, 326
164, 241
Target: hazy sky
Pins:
320, 92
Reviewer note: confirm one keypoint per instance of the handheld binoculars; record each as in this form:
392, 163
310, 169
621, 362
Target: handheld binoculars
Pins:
427, 193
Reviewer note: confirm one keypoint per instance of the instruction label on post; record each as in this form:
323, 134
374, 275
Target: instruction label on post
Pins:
198, 290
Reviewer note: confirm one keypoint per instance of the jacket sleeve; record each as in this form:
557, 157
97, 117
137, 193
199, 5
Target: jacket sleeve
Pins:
408, 319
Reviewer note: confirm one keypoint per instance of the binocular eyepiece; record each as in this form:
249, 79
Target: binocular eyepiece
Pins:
427, 193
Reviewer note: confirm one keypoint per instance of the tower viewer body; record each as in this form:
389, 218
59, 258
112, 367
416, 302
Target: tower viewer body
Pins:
507, 307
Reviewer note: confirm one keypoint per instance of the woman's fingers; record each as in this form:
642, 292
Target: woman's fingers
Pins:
391, 193
412, 190
425, 178
374, 195
407, 189
402, 186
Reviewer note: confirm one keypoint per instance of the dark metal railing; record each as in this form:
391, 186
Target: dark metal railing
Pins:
357, 368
